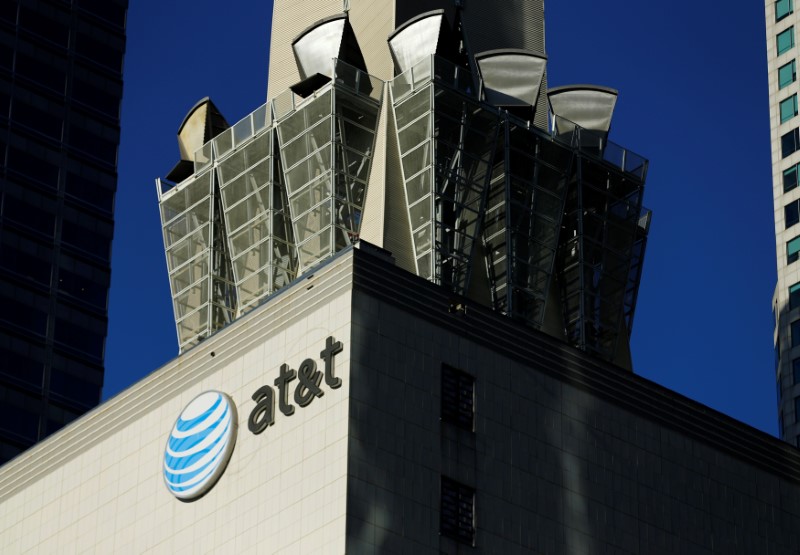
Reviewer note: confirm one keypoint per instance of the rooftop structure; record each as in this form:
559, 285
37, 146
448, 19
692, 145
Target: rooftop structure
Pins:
461, 164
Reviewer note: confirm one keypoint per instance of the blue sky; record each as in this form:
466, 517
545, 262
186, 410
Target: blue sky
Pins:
693, 100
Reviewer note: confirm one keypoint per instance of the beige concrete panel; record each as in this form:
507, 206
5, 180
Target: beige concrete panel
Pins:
374, 215
397, 234
289, 19
373, 21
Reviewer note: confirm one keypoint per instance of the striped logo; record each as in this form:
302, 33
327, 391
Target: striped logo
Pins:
200, 445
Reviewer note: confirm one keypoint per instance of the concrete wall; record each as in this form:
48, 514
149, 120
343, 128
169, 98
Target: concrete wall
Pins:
568, 455
97, 486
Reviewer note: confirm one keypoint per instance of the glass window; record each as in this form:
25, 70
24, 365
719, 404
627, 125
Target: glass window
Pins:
792, 250
791, 213
796, 370
788, 108
794, 296
457, 516
785, 40
782, 9
458, 397
790, 142
795, 332
789, 179
787, 74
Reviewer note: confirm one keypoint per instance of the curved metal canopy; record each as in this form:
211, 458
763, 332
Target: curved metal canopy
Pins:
589, 106
422, 36
329, 38
511, 77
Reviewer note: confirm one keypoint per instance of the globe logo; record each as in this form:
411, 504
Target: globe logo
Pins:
200, 444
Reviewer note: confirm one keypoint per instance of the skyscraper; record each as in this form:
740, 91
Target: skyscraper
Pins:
60, 92
334, 397
785, 137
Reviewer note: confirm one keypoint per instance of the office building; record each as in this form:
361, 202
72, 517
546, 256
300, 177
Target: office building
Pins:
403, 295
60, 91
431, 431
785, 138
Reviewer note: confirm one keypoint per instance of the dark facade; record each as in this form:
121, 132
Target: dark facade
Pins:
60, 92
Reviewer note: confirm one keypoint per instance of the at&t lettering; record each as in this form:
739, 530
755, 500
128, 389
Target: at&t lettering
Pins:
309, 380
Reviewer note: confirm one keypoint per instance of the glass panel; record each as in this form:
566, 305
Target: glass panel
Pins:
189, 273
792, 213
187, 249
192, 298
417, 160
354, 136
310, 196
251, 261
788, 108
312, 140
185, 196
422, 239
421, 213
795, 332
258, 230
313, 221
255, 179
782, 9
304, 118
315, 249
787, 74
785, 40
792, 248
194, 326
223, 143
242, 131
789, 142
313, 167
246, 210
789, 179
794, 296
418, 186
413, 108
180, 227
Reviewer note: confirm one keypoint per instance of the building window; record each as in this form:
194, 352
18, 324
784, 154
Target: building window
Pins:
796, 370
787, 74
797, 409
792, 250
788, 108
785, 40
789, 179
791, 213
457, 511
458, 397
790, 142
782, 9
794, 296
795, 332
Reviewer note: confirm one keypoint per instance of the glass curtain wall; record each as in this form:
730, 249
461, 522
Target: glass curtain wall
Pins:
447, 143
199, 268
326, 148
600, 256
259, 234
523, 220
